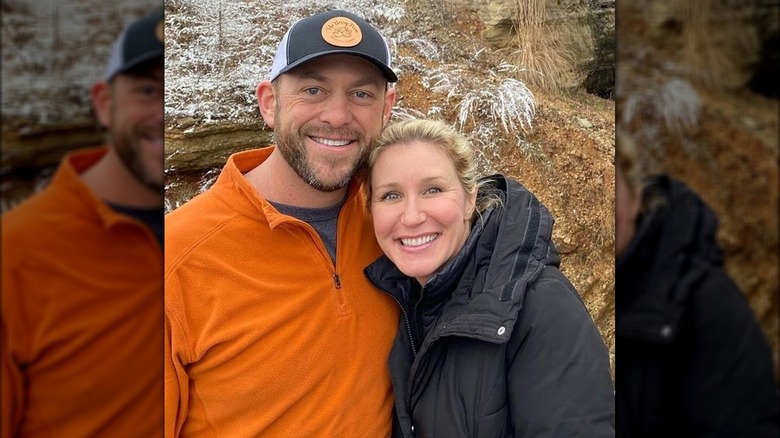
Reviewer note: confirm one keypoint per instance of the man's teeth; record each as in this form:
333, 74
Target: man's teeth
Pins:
417, 241
329, 142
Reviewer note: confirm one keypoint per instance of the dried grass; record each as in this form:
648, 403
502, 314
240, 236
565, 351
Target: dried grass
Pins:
711, 44
537, 46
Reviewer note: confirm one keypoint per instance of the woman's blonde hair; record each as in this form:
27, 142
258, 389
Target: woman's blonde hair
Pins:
455, 145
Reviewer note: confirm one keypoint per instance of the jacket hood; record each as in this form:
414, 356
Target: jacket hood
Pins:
674, 247
487, 280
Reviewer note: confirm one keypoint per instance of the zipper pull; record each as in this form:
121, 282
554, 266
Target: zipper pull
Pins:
337, 280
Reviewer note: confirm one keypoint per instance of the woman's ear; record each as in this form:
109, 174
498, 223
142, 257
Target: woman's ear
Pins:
266, 101
471, 205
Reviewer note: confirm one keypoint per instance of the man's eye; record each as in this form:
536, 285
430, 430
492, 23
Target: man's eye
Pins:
147, 90
312, 91
362, 94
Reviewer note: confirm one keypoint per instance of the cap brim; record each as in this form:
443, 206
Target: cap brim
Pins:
140, 60
388, 73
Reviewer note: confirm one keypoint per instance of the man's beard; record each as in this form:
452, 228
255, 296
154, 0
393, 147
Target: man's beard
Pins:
293, 149
128, 147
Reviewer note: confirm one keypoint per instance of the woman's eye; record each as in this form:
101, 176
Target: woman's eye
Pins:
389, 196
430, 190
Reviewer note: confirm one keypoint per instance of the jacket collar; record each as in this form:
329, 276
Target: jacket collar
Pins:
250, 202
72, 194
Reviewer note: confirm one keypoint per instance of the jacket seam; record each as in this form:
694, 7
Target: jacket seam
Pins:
175, 264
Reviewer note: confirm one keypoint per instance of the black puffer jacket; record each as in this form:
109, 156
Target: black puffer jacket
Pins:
498, 344
691, 359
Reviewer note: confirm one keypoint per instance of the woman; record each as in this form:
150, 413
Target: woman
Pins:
494, 340
692, 360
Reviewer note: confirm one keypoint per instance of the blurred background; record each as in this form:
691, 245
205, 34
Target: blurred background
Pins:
52, 52
697, 87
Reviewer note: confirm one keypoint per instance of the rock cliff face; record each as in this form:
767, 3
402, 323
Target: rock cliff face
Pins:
208, 147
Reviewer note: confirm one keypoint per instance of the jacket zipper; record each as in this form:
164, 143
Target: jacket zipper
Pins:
417, 323
337, 280
315, 238
406, 318
411, 340
319, 245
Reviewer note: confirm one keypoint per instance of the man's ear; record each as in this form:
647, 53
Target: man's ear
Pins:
389, 102
101, 102
266, 101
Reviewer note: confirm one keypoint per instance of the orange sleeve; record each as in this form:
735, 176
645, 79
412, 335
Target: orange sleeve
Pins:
13, 396
12, 388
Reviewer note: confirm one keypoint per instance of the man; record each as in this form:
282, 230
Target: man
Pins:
82, 269
692, 360
271, 327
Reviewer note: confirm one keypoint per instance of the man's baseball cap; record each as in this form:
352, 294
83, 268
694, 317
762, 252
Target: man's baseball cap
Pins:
139, 42
330, 33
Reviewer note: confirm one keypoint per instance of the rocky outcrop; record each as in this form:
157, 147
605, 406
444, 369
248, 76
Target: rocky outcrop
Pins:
194, 146
37, 146
581, 34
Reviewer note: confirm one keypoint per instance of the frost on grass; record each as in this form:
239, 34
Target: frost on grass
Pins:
509, 103
675, 102
490, 105
217, 51
494, 97
671, 107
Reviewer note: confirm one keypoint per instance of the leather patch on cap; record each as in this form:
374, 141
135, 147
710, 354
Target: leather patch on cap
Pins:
158, 31
341, 32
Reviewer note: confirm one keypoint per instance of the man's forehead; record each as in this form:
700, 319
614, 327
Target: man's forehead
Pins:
337, 65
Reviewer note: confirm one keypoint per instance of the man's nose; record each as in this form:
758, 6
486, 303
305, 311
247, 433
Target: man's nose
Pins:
337, 111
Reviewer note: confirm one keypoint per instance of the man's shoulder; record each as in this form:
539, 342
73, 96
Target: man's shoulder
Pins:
43, 227
64, 201
34, 218
206, 223
195, 219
